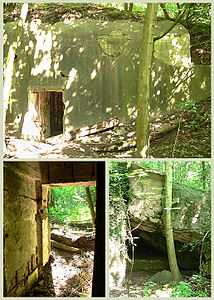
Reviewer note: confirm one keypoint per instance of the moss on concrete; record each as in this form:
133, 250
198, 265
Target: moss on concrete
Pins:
150, 264
161, 277
95, 64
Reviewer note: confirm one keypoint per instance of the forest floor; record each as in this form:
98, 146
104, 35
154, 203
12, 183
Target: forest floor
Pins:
66, 274
184, 134
141, 286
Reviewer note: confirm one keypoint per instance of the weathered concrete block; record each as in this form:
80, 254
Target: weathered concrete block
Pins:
117, 263
174, 47
146, 202
31, 280
95, 66
164, 276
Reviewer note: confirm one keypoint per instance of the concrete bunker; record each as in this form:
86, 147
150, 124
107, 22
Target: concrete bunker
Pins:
27, 239
95, 63
191, 209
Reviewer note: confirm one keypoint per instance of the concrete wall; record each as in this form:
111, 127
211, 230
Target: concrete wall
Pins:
20, 232
117, 250
190, 206
26, 227
146, 202
95, 64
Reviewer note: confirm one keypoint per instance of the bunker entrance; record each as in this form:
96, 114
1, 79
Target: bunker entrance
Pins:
151, 253
50, 108
71, 209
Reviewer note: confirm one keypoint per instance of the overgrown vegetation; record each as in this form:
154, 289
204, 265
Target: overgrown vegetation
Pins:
195, 286
193, 175
69, 204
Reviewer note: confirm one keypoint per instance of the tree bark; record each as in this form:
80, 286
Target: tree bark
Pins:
83, 242
168, 225
142, 130
65, 247
126, 6
131, 7
90, 204
203, 174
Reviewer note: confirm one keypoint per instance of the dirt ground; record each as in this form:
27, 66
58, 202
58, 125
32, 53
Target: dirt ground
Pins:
139, 286
66, 274
188, 135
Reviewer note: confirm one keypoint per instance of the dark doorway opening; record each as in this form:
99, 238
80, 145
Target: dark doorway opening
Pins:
50, 108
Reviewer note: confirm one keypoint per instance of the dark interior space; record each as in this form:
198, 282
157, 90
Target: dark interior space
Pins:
151, 247
56, 111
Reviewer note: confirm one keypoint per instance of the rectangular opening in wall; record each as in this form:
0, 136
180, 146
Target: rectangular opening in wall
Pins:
49, 108
71, 211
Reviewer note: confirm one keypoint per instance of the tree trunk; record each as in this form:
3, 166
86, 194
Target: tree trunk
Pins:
90, 204
203, 174
83, 242
168, 225
142, 130
126, 6
131, 7
65, 247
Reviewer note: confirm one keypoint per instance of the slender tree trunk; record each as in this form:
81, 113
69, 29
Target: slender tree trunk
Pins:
168, 225
131, 7
126, 6
142, 130
203, 174
90, 204
162, 5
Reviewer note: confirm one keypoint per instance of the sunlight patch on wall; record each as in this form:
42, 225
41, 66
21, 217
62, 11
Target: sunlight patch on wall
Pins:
203, 85
71, 78
108, 109
70, 109
93, 74
43, 52
30, 128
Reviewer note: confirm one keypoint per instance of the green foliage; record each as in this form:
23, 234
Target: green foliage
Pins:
199, 13
191, 173
147, 289
188, 173
197, 286
205, 236
69, 204
119, 194
182, 289
152, 165
196, 13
